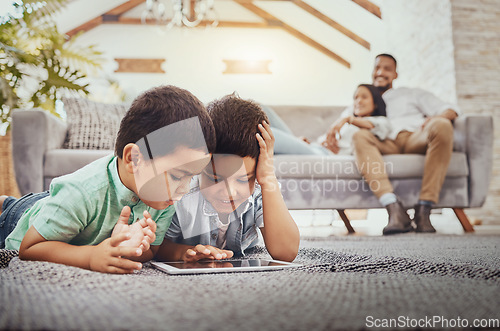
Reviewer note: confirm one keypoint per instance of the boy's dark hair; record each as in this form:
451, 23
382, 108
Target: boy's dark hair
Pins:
235, 121
162, 106
377, 100
389, 56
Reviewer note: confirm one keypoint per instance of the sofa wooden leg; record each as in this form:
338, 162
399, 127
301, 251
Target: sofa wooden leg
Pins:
464, 220
346, 221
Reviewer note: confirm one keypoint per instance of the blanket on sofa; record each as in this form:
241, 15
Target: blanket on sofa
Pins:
345, 283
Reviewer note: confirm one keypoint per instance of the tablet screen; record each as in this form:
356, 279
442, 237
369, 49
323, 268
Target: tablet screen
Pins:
225, 264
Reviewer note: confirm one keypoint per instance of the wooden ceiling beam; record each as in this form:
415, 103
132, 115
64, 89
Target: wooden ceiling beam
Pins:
89, 25
274, 21
222, 24
318, 46
248, 4
234, 24
366, 4
370, 6
332, 23
109, 16
113, 16
125, 7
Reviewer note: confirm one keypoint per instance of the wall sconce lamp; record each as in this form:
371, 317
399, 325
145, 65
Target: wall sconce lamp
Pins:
247, 67
140, 65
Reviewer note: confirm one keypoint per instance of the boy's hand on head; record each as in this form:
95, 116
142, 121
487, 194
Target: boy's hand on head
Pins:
107, 256
200, 252
265, 167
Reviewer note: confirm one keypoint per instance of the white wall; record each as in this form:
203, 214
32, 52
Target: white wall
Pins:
419, 35
300, 73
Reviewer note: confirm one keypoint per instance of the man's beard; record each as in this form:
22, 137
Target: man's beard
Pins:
382, 89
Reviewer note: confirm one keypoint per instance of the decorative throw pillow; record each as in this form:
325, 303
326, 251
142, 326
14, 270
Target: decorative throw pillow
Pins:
92, 125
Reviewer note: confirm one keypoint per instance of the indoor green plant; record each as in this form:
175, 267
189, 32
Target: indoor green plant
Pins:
37, 64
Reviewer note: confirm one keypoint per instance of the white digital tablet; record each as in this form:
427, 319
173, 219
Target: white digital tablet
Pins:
219, 266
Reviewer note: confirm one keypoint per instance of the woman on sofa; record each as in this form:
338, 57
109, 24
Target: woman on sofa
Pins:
367, 112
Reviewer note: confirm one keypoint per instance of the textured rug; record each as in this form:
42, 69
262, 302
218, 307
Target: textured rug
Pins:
345, 283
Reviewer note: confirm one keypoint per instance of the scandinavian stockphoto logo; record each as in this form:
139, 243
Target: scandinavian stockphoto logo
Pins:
326, 175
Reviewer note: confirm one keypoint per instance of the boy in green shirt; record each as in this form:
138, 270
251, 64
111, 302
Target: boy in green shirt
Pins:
88, 218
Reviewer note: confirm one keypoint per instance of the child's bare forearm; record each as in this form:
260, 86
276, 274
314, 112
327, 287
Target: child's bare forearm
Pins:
58, 252
281, 234
105, 257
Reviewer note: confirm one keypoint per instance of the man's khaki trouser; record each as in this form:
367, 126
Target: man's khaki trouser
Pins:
435, 141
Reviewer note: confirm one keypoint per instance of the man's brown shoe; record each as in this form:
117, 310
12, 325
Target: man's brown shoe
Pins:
399, 221
422, 219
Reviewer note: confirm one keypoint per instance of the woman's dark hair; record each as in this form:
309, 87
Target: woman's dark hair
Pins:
377, 100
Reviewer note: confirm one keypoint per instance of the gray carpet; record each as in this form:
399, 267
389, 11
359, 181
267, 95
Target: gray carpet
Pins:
343, 281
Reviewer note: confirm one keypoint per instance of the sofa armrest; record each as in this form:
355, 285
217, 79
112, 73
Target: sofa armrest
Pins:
34, 132
473, 135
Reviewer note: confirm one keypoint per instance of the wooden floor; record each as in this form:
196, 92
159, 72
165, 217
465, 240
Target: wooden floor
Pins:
319, 223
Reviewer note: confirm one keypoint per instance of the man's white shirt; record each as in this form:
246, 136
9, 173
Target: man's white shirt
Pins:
407, 108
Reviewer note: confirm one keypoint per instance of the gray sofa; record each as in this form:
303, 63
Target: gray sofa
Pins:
308, 181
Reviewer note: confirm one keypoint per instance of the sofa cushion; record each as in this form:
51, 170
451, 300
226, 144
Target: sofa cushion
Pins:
92, 125
338, 193
344, 166
59, 162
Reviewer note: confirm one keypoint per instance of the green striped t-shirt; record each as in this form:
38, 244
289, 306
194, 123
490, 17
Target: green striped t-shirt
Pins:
83, 208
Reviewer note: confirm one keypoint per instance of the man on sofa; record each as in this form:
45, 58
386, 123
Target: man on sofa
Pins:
421, 124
